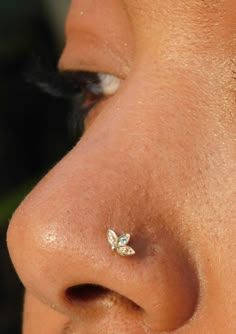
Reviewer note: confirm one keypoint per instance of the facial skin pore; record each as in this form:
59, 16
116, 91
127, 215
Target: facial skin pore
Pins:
157, 160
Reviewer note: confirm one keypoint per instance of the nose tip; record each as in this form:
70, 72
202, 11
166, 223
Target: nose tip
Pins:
71, 271
61, 253
85, 280
58, 243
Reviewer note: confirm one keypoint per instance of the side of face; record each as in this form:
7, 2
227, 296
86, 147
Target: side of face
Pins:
157, 160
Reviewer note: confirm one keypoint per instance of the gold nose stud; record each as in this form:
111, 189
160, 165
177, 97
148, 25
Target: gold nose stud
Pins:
120, 243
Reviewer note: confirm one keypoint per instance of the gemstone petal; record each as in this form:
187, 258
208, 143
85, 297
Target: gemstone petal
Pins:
112, 238
125, 251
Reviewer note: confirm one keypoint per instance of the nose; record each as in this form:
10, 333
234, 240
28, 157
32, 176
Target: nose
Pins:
58, 237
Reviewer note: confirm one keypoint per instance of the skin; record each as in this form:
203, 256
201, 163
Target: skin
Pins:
157, 160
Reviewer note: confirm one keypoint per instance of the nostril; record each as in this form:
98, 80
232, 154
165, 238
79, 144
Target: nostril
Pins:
89, 293
86, 292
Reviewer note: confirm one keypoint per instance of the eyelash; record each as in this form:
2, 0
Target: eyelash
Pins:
83, 89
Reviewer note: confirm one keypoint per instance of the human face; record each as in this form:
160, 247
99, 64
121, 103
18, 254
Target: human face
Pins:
157, 160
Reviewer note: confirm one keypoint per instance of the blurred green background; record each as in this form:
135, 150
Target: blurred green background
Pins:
33, 126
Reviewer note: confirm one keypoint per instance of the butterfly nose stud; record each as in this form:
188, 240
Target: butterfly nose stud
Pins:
120, 243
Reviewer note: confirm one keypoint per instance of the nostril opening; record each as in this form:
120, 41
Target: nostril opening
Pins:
86, 292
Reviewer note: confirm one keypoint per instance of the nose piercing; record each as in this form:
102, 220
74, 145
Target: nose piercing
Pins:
119, 244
